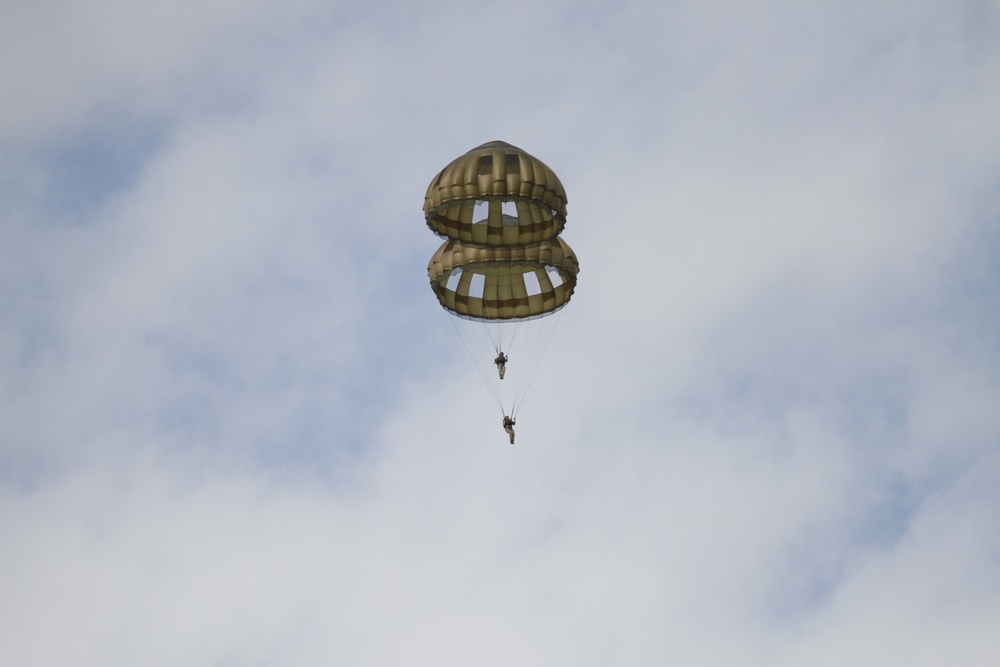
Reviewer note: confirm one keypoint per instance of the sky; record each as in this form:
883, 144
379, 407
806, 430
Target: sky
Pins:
236, 428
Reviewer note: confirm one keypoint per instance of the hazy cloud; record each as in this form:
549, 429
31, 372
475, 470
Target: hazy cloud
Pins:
237, 429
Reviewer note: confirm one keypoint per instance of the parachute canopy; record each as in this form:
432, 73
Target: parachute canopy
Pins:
496, 195
503, 283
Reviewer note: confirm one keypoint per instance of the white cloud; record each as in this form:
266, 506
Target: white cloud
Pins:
237, 429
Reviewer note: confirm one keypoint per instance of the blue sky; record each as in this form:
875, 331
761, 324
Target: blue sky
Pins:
236, 427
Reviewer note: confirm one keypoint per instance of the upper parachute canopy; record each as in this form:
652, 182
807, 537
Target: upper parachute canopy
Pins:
496, 195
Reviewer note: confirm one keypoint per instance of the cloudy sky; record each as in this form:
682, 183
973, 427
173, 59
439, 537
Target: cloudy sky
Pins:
237, 429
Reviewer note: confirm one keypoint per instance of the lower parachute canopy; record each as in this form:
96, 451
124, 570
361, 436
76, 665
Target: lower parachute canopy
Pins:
502, 299
503, 283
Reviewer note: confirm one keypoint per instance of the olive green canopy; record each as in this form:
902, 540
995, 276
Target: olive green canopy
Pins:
505, 283
496, 195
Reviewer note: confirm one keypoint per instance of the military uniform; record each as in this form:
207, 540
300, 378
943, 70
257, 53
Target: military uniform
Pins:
508, 425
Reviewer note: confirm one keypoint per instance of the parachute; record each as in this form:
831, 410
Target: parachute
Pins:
503, 272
